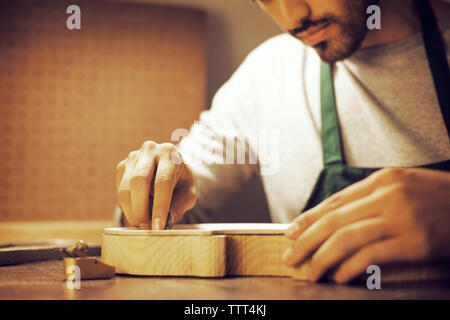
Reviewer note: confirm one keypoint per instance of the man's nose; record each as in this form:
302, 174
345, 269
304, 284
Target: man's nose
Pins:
293, 12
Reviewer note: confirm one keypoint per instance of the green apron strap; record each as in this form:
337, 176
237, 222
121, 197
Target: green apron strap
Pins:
331, 137
437, 57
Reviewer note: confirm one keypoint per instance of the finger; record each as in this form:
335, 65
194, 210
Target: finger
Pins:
140, 186
183, 200
144, 226
123, 191
185, 193
385, 251
120, 169
165, 179
322, 229
345, 242
354, 192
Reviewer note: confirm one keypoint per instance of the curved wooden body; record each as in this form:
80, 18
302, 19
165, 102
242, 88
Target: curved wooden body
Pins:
218, 250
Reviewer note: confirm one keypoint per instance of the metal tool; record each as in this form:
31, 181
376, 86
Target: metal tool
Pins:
24, 252
79, 249
75, 258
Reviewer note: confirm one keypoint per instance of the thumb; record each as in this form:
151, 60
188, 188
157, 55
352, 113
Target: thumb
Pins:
183, 200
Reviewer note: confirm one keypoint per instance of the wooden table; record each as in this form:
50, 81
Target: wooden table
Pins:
44, 280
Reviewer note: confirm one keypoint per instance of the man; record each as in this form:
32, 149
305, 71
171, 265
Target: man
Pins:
344, 101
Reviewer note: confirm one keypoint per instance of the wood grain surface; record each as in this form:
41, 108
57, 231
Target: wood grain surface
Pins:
207, 229
256, 255
216, 250
204, 250
176, 255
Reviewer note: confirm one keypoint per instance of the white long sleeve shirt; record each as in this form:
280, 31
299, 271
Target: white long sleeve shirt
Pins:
387, 108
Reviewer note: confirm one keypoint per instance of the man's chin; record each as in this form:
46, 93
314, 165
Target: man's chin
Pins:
331, 55
343, 42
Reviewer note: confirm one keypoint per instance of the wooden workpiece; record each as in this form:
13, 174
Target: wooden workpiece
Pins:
218, 250
203, 250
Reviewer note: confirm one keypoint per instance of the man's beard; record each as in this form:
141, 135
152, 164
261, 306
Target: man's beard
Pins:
352, 31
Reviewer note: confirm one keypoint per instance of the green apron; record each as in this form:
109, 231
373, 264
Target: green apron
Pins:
336, 175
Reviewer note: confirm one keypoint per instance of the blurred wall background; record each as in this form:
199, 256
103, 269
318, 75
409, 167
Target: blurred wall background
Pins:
74, 102
233, 29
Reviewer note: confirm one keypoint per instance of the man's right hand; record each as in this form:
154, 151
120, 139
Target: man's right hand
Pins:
156, 170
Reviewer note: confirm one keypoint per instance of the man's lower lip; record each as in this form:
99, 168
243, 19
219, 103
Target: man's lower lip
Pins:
317, 37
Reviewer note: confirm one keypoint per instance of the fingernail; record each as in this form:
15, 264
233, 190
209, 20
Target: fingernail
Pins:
293, 228
144, 226
287, 256
156, 224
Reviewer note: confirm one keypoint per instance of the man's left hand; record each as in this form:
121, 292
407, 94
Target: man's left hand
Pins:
394, 215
